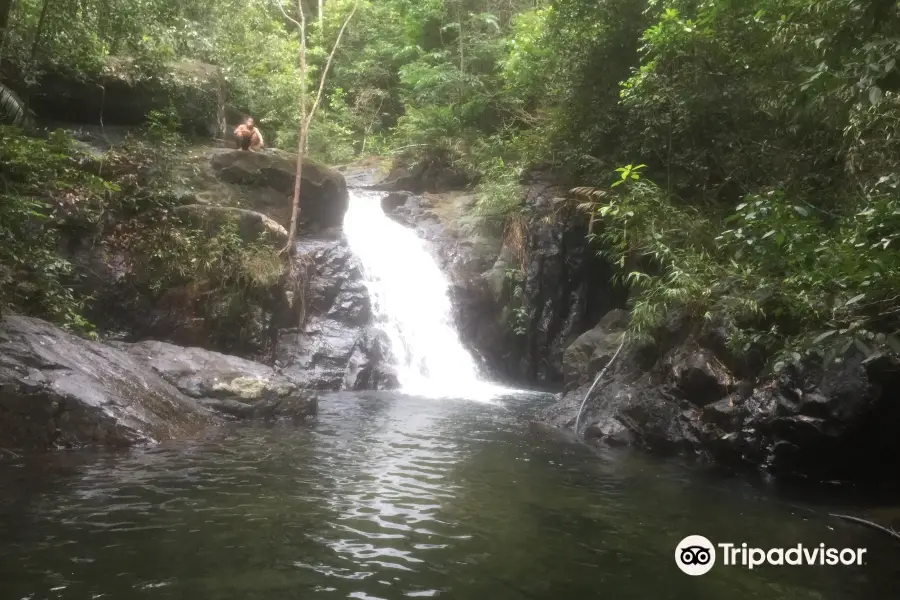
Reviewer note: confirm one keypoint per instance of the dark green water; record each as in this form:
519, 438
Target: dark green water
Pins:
389, 496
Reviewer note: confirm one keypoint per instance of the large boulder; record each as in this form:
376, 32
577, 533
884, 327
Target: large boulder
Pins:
423, 176
336, 346
123, 94
58, 390
593, 349
679, 396
226, 384
323, 191
249, 190
251, 225
521, 295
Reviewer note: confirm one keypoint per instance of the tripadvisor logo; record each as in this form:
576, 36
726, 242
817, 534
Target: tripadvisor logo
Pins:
696, 555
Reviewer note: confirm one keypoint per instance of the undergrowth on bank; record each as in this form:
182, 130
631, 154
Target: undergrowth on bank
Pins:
58, 201
790, 280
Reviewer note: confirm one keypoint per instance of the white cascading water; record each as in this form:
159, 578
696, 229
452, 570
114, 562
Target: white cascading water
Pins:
411, 301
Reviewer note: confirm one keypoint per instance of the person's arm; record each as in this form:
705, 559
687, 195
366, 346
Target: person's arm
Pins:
262, 142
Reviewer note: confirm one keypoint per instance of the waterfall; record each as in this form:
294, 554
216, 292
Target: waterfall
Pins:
411, 302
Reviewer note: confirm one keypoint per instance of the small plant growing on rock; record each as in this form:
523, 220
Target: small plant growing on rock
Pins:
518, 315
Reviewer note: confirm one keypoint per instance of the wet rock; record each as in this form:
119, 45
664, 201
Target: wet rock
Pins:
226, 384
518, 316
835, 422
466, 253
393, 200
58, 390
566, 287
659, 421
592, 350
699, 376
724, 413
609, 431
337, 347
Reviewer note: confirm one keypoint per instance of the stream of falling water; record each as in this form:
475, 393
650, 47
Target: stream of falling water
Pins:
411, 301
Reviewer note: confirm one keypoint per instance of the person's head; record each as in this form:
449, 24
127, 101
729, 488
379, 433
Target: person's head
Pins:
249, 122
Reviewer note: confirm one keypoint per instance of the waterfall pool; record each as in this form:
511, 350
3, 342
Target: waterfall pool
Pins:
441, 490
392, 496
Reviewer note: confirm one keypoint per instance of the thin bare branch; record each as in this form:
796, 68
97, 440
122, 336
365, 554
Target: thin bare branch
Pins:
301, 143
334, 48
881, 528
596, 380
287, 16
306, 117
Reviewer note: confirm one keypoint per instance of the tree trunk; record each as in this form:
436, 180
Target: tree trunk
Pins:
462, 53
295, 210
5, 11
6, 7
306, 117
290, 248
37, 33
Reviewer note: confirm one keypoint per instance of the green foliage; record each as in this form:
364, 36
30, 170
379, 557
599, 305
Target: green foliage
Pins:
220, 277
51, 197
499, 194
787, 279
332, 136
42, 186
771, 129
518, 315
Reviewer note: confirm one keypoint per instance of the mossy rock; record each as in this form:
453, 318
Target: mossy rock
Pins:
251, 224
122, 93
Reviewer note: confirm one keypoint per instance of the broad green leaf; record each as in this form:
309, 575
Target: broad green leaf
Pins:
875, 94
854, 299
824, 336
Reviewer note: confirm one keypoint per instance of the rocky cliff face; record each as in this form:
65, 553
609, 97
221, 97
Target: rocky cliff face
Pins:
566, 287
465, 253
264, 182
563, 286
315, 322
687, 396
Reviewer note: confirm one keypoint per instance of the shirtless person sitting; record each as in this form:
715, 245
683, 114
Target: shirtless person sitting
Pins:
248, 136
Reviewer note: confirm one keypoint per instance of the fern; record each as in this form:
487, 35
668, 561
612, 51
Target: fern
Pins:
12, 109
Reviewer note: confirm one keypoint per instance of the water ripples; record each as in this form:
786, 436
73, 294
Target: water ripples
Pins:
387, 497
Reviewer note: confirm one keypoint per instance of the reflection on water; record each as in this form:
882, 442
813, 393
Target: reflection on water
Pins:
391, 496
